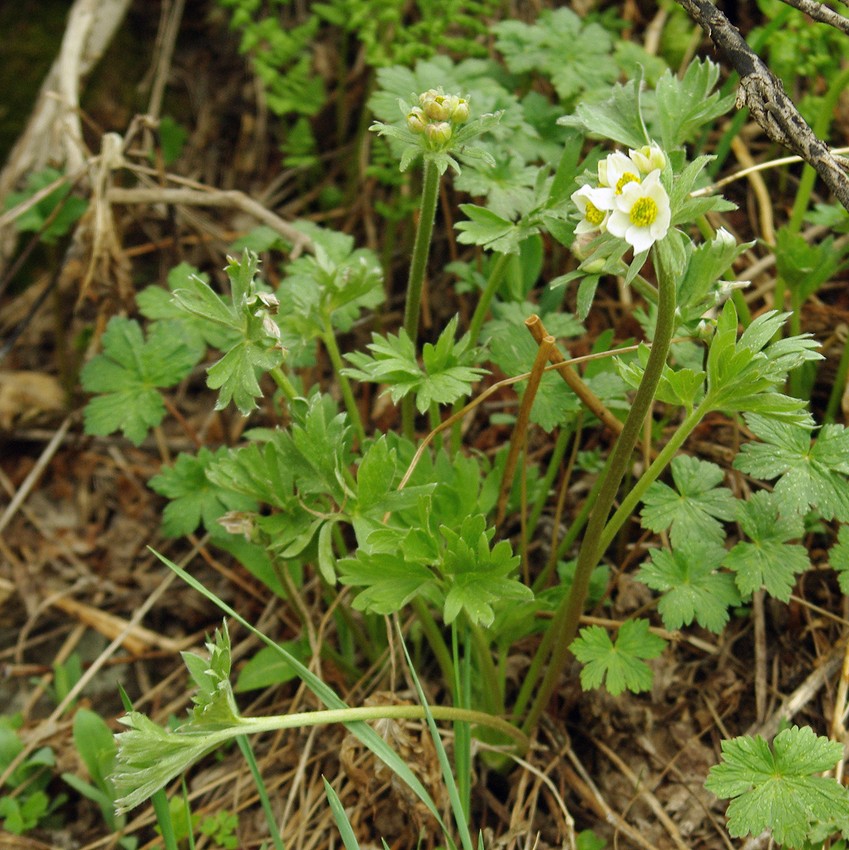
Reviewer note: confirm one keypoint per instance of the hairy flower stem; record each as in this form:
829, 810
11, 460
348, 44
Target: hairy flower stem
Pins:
418, 265
329, 340
564, 626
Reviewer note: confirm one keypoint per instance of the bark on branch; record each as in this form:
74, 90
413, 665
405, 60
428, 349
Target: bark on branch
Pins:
761, 91
821, 13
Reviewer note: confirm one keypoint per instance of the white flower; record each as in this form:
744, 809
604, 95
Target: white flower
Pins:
616, 170
594, 205
641, 213
648, 158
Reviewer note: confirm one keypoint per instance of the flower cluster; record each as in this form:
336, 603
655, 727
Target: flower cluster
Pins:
629, 201
437, 115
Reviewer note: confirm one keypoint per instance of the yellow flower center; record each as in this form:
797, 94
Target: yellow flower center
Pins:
625, 179
593, 214
644, 212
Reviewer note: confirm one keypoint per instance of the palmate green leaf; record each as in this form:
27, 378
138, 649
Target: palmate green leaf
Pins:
620, 665
706, 263
256, 347
390, 582
694, 508
679, 387
811, 475
150, 756
508, 188
617, 118
476, 575
447, 374
839, 557
129, 374
691, 584
489, 230
214, 702
259, 471
157, 303
319, 450
34, 218
686, 104
744, 373
776, 787
768, 561
538, 47
335, 284
195, 498
235, 374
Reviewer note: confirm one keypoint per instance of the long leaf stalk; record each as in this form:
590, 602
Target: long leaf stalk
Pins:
418, 266
435, 639
329, 340
284, 384
564, 626
493, 281
463, 699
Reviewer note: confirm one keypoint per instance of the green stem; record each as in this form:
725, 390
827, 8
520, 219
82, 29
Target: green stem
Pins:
838, 385
322, 717
435, 422
462, 732
490, 687
495, 275
418, 265
435, 639
329, 340
283, 382
564, 626
265, 802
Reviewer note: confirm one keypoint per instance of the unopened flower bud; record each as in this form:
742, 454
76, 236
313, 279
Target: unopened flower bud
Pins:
438, 134
594, 266
437, 109
460, 113
427, 96
648, 158
416, 120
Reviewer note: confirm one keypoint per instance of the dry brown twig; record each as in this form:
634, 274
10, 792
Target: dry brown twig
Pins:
762, 92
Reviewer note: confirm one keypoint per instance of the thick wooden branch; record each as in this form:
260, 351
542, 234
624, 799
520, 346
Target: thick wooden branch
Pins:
761, 91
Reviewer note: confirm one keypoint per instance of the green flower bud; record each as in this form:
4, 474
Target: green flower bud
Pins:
416, 120
460, 113
427, 96
438, 134
437, 109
